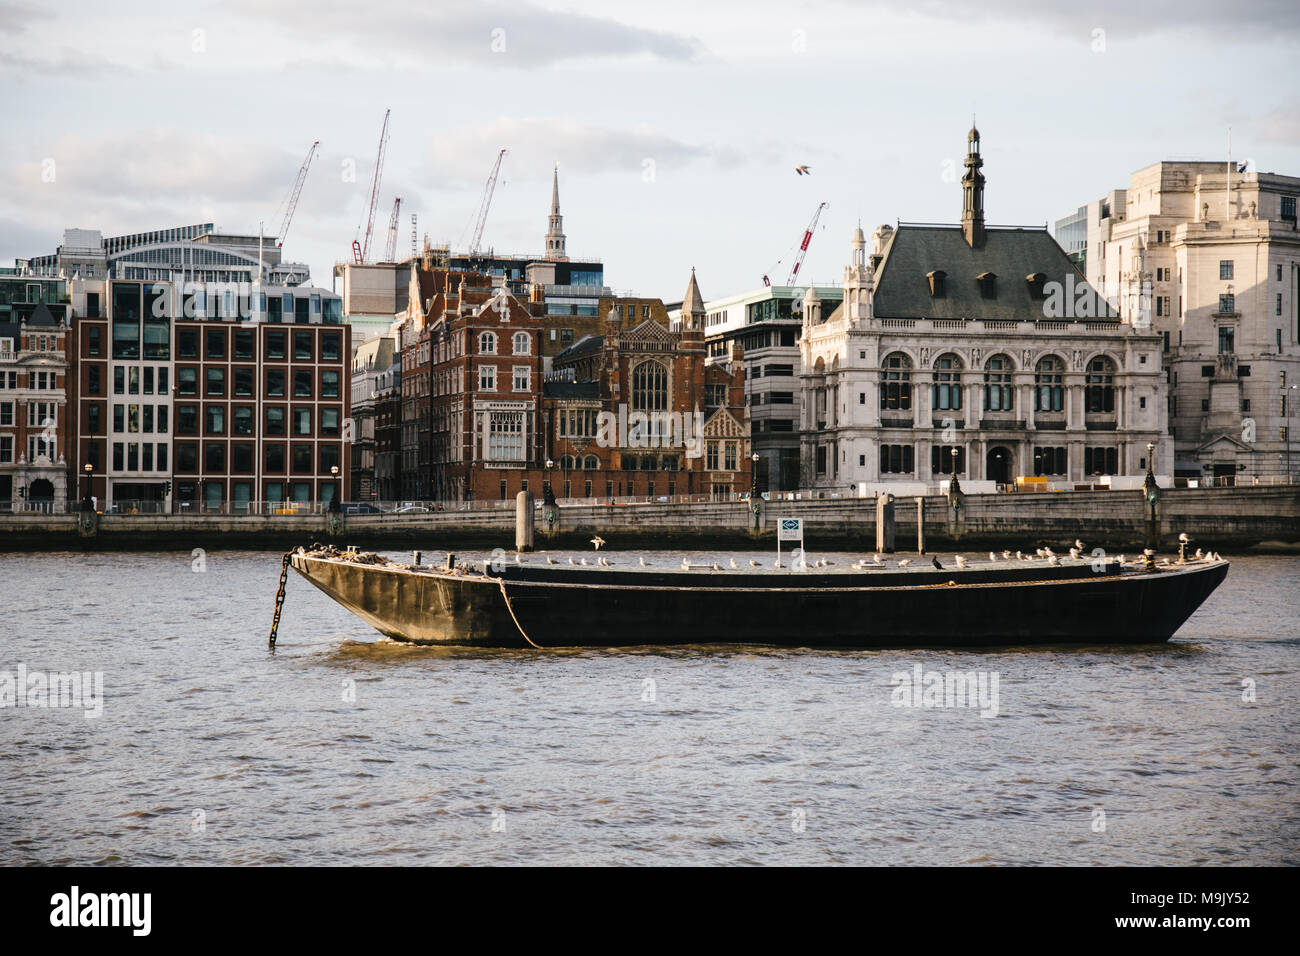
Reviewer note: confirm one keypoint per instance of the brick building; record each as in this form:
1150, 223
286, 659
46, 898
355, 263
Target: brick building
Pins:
34, 426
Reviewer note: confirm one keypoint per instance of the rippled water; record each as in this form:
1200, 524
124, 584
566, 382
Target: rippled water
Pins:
695, 755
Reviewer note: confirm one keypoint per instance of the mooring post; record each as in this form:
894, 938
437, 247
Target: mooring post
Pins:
524, 521
920, 525
885, 523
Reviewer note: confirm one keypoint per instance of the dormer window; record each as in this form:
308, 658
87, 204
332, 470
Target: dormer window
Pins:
988, 285
1036, 282
936, 283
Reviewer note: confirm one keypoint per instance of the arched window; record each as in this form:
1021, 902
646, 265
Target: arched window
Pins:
591, 463
650, 388
567, 463
521, 343
1099, 385
487, 343
1048, 391
896, 383
997, 385
946, 391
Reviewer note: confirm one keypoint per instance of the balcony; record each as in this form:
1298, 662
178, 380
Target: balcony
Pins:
1002, 424
1043, 423
895, 422
941, 420
1100, 424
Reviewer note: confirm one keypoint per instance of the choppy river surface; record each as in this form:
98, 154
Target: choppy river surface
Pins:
341, 747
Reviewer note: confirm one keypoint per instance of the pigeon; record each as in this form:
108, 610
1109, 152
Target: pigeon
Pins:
961, 561
905, 562
733, 562
803, 170
597, 541
935, 562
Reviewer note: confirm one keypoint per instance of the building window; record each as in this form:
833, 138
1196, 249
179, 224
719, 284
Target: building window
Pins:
302, 459
302, 383
1100, 461
1048, 391
895, 384
216, 381
187, 381
275, 345
1099, 387
650, 387
487, 343
216, 343
711, 456
1049, 461
522, 378
997, 384
1225, 268
988, 282
506, 436
936, 280
521, 343
1288, 208
243, 380
941, 459
897, 459
946, 391
302, 421
729, 456
216, 420
329, 383
487, 378
1227, 303
1226, 339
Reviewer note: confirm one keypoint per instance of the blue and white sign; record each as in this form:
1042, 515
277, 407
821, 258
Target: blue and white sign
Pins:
790, 529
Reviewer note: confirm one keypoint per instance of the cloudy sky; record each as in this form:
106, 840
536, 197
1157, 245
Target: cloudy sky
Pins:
677, 125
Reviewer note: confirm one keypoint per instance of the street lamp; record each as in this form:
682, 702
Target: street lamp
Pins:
548, 492
753, 476
334, 500
1149, 490
954, 488
85, 502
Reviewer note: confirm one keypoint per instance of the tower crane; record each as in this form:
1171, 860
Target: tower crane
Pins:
390, 248
361, 250
803, 249
488, 190
295, 191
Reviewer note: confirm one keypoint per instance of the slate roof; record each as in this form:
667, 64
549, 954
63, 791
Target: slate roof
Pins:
588, 389
903, 291
588, 343
41, 316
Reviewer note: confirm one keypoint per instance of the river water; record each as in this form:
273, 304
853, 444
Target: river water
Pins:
341, 747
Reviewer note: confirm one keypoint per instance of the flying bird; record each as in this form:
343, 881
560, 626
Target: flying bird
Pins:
803, 170
597, 541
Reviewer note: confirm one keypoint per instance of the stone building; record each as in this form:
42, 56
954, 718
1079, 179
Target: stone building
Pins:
983, 340
1208, 255
371, 360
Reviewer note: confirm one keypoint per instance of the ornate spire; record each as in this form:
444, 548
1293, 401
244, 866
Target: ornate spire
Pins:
692, 308
972, 192
555, 226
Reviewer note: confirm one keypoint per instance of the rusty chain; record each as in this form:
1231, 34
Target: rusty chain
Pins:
279, 597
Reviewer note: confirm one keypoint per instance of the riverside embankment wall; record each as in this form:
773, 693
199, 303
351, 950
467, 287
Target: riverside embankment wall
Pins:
1221, 519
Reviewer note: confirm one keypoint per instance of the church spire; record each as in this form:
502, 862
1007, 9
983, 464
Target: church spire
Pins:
555, 226
972, 193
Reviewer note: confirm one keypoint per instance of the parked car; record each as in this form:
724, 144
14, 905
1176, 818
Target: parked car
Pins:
410, 507
362, 508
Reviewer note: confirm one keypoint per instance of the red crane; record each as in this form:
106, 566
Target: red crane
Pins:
361, 250
803, 249
291, 203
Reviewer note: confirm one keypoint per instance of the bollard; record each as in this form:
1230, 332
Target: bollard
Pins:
885, 523
451, 561
415, 557
524, 521
920, 525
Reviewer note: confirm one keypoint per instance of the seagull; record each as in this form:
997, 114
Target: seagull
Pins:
583, 562
776, 563
803, 170
518, 559
1048, 552
597, 541
753, 563
1078, 544
1019, 556
1121, 560
1039, 552
716, 566
571, 561
961, 561
643, 564
686, 565
905, 562
1198, 553
1006, 555
1074, 552
993, 558
877, 559
935, 562
1053, 560
1147, 552
549, 559
733, 562
1182, 538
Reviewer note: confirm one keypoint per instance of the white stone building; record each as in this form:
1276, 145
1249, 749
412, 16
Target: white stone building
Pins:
1209, 254
986, 340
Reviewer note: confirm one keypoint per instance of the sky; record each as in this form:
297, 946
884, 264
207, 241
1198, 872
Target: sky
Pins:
677, 126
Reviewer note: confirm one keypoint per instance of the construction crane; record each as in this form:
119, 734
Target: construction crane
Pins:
361, 250
390, 248
488, 190
803, 249
291, 203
